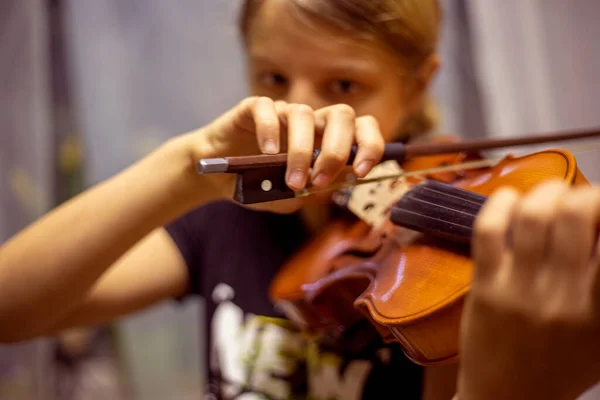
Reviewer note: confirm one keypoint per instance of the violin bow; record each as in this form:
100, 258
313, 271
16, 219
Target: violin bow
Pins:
261, 178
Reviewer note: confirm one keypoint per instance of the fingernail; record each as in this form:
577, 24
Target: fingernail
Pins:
320, 180
296, 178
363, 168
270, 147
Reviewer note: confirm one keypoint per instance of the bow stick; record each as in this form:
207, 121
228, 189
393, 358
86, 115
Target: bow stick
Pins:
261, 178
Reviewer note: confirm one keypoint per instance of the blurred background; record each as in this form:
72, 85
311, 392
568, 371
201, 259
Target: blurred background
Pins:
90, 86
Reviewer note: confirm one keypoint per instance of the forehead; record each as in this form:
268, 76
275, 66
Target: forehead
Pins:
279, 34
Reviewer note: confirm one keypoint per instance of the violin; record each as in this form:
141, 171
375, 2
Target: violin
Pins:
408, 271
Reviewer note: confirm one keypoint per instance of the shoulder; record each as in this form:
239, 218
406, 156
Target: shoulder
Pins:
246, 244
207, 233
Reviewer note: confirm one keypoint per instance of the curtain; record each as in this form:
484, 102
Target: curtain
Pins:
26, 163
536, 64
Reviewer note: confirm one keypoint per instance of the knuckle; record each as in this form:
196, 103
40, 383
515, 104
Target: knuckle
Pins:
302, 109
571, 210
281, 104
335, 157
264, 99
344, 110
562, 311
265, 103
301, 155
369, 119
531, 216
491, 299
486, 228
249, 101
505, 193
374, 145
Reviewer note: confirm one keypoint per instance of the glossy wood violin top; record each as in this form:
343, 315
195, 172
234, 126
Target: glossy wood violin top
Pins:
409, 277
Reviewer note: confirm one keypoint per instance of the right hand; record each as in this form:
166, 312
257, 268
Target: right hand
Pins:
260, 125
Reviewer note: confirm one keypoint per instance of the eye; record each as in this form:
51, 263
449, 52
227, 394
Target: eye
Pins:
272, 79
344, 86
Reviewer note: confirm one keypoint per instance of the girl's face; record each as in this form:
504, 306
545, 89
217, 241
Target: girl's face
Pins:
304, 63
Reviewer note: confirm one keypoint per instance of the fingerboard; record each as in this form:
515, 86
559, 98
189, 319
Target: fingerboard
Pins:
438, 209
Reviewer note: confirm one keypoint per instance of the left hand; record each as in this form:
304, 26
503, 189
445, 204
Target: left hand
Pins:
531, 324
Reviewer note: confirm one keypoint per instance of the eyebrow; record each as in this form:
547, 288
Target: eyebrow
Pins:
341, 67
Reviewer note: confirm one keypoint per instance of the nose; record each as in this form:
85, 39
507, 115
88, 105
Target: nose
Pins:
303, 92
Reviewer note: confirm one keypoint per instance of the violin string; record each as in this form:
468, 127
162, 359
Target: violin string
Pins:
427, 171
455, 167
424, 187
438, 219
446, 207
449, 168
573, 149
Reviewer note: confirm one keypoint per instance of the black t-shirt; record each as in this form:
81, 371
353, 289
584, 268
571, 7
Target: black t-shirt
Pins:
232, 254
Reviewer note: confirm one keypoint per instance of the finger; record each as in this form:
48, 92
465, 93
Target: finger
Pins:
281, 108
337, 142
301, 134
267, 125
593, 288
531, 226
574, 234
490, 230
370, 145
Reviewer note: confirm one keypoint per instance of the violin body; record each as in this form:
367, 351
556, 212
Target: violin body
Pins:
409, 284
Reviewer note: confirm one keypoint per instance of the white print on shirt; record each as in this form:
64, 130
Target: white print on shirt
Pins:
258, 357
325, 381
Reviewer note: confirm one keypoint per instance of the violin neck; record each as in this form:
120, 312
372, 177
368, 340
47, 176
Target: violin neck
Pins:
439, 210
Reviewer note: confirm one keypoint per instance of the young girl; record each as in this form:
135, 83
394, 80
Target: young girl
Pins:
353, 71
147, 235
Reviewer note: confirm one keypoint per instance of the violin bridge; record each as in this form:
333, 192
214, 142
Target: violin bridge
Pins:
372, 202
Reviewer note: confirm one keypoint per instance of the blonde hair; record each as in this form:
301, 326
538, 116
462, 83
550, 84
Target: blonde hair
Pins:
411, 28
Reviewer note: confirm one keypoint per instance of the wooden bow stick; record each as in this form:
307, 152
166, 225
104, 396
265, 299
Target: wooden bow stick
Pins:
261, 178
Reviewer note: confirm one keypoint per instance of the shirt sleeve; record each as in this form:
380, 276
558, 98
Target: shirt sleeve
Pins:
186, 232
